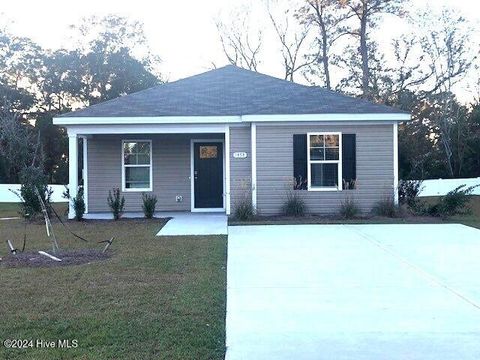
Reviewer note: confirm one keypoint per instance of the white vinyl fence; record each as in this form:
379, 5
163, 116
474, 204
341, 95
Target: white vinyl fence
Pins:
7, 196
440, 187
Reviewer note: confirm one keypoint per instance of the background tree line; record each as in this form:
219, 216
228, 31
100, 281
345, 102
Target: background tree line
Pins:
334, 44
111, 58
330, 43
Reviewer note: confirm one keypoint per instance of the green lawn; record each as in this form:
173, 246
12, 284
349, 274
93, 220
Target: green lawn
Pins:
13, 209
155, 298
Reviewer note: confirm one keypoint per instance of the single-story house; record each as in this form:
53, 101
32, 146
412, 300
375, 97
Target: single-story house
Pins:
209, 141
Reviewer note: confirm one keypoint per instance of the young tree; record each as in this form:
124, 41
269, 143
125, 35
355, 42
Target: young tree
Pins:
367, 13
241, 45
291, 40
327, 19
446, 43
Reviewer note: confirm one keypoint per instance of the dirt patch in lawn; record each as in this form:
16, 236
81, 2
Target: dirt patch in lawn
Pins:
34, 259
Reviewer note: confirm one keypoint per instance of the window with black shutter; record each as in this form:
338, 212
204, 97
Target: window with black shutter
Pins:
324, 168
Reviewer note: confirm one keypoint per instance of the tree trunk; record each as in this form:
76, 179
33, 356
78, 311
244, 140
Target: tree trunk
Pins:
364, 54
326, 69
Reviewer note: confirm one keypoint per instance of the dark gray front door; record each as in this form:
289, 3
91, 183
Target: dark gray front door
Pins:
208, 174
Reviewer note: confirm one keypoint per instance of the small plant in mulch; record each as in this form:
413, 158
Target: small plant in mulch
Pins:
149, 204
386, 207
116, 202
78, 202
244, 209
294, 205
349, 209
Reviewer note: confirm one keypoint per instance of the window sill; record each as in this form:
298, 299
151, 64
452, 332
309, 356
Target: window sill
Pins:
324, 189
136, 190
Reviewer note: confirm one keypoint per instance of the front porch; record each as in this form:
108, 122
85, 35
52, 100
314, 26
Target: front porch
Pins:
185, 168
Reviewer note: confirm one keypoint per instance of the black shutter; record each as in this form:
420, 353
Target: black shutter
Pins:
300, 161
349, 161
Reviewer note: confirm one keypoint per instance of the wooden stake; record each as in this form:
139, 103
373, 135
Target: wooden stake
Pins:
109, 242
50, 256
12, 249
48, 224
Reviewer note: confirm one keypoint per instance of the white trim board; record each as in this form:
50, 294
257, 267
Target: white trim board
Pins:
144, 120
72, 171
253, 144
85, 172
395, 163
146, 129
125, 120
327, 117
192, 177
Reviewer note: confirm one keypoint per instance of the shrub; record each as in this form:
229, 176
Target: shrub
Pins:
408, 191
33, 178
149, 204
386, 207
294, 204
79, 205
244, 209
454, 203
349, 209
78, 202
116, 202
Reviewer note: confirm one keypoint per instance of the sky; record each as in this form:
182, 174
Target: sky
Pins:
181, 32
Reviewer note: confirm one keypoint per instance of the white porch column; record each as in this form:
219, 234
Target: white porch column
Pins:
253, 144
85, 171
72, 171
395, 163
227, 169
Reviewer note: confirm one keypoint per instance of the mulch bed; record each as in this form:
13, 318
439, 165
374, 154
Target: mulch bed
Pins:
73, 257
326, 220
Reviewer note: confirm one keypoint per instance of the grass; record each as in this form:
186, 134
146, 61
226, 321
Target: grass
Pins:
472, 219
155, 298
13, 209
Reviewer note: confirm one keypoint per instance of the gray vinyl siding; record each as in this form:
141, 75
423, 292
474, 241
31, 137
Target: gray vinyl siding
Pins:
375, 175
171, 170
240, 169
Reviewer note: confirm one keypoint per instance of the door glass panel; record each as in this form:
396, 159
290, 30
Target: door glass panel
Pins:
208, 152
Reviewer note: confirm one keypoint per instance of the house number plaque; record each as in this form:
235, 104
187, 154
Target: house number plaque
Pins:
240, 155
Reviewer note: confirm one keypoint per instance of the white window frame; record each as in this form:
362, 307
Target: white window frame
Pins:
338, 162
124, 166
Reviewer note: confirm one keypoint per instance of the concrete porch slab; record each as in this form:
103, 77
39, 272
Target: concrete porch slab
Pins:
194, 224
181, 223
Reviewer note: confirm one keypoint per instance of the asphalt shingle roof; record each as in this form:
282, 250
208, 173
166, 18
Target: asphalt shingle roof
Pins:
231, 90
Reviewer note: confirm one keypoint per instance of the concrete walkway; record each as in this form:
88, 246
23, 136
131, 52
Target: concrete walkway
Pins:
194, 224
353, 292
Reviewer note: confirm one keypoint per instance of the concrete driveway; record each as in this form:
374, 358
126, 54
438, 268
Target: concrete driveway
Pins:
353, 292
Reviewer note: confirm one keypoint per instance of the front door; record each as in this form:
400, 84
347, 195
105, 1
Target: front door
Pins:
208, 175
